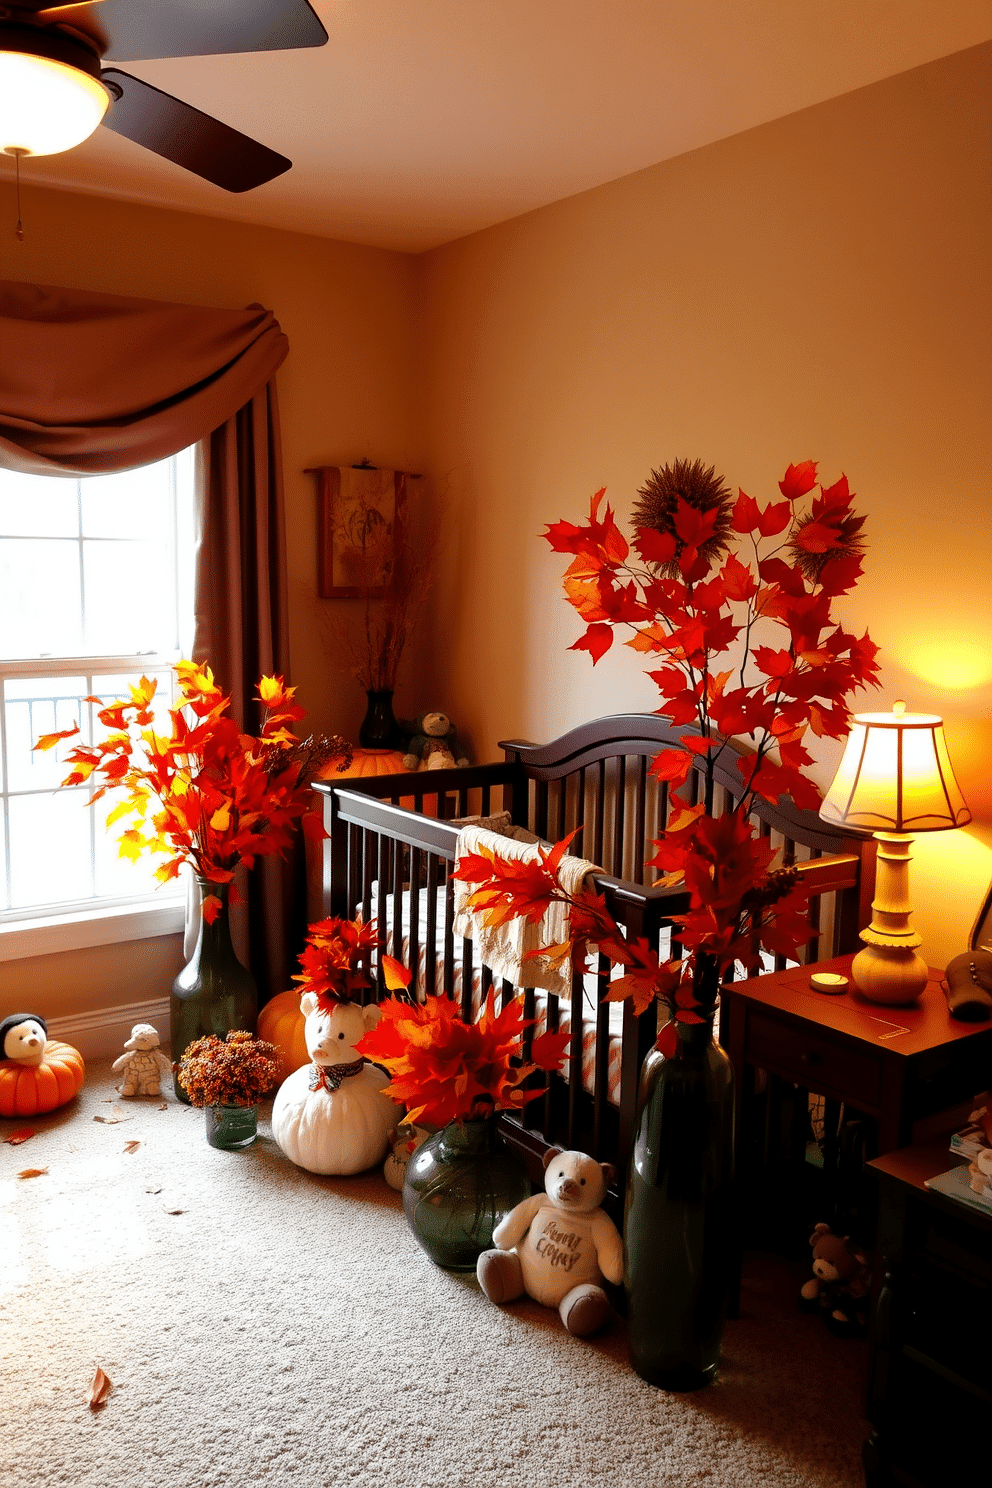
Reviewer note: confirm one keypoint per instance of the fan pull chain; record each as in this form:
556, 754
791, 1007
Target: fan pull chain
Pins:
19, 229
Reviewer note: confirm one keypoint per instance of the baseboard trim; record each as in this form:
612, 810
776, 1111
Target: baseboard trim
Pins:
101, 1034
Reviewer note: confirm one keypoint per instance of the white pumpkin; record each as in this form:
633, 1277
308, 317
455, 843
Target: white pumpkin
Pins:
334, 1130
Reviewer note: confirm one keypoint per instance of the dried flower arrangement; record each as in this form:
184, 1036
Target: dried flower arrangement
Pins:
208, 794
236, 1071
690, 602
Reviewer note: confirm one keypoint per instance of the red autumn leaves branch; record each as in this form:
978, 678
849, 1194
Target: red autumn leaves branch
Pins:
695, 609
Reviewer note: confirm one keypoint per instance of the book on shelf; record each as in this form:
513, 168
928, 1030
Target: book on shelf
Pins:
969, 1141
956, 1184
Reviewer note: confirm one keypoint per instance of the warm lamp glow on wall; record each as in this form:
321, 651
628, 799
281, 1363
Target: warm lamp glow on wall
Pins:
894, 780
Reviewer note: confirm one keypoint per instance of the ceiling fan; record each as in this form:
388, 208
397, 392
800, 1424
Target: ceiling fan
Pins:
54, 89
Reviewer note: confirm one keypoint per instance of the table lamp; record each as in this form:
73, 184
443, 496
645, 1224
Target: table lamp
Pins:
895, 779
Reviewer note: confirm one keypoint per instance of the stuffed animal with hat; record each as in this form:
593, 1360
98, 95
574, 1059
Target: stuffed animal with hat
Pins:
37, 1074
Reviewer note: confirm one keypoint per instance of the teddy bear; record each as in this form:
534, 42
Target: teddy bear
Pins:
143, 1062
558, 1246
434, 744
330, 1116
839, 1284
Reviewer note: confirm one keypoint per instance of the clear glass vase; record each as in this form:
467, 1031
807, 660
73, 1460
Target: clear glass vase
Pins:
458, 1185
213, 993
678, 1220
232, 1127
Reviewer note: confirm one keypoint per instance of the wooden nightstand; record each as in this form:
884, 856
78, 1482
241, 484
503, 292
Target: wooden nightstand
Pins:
897, 1064
930, 1365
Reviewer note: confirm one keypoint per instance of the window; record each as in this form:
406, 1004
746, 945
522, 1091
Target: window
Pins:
96, 590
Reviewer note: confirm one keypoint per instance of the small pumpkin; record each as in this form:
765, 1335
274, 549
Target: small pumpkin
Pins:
367, 762
33, 1089
281, 1022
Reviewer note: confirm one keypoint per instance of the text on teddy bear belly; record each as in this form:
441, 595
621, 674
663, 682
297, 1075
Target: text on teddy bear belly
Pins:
559, 1247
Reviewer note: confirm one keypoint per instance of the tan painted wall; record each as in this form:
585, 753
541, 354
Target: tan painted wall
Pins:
347, 390
816, 288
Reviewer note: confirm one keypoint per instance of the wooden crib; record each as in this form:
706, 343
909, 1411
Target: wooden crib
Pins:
394, 862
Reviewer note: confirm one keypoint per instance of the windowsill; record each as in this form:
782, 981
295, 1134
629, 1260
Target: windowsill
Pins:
90, 927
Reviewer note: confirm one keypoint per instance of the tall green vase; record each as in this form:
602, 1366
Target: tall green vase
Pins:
678, 1220
213, 993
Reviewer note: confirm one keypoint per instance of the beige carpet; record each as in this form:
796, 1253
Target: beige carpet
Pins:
284, 1328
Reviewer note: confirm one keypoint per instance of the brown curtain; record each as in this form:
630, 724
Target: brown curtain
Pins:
242, 630
91, 383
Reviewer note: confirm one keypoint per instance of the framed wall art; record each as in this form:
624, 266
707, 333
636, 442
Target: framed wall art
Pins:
361, 517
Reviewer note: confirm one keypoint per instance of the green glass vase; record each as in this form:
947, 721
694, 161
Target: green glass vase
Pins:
458, 1185
213, 993
232, 1127
678, 1219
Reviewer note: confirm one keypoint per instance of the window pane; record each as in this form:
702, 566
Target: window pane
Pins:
39, 598
130, 598
41, 705
38, 505
4, 899
117, 876
49, 848
136, 503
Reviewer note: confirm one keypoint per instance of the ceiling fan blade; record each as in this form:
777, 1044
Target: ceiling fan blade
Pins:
138, 30
181, 133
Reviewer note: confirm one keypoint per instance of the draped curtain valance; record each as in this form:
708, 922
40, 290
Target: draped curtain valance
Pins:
93, 382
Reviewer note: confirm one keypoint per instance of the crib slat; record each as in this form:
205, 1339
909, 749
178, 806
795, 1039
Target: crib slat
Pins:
430, 939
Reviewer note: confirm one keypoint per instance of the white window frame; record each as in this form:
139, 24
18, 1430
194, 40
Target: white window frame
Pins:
73, 925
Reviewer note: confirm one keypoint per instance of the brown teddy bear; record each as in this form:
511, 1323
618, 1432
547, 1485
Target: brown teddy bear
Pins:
839, 1284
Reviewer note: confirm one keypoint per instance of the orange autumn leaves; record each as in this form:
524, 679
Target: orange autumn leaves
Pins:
444, 1069
206, 794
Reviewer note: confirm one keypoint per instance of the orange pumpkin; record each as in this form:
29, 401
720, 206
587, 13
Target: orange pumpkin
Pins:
281, 1022
367, 762
32, 1089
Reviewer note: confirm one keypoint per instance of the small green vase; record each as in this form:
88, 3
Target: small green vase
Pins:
213, 993
458, 1185
232, 1127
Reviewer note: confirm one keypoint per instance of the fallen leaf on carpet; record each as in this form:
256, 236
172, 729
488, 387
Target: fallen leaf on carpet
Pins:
117, 1113
99, 1389
132, 1146
32, 1172
154, 1190
164, 1106
169, 1209
22, 1135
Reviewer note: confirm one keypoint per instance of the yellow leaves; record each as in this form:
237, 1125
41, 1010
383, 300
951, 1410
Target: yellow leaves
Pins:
132, 845
221, 819
395, 974
100, 1388
32, 1172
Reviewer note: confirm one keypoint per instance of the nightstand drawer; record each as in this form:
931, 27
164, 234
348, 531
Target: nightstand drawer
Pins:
811, 1059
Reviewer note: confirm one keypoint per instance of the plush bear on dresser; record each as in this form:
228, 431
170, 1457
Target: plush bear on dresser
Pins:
559, 1246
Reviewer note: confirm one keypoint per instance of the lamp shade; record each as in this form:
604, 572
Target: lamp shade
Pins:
46, 106
896, 776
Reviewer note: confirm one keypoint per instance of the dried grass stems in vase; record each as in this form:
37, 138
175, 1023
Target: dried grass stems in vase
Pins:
375, 639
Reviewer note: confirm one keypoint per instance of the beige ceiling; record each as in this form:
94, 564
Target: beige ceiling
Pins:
423, 120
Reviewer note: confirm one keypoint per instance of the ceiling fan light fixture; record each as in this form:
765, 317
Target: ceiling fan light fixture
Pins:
46, 106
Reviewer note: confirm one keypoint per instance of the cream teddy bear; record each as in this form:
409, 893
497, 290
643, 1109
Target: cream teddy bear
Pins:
143, 1062
558, 1246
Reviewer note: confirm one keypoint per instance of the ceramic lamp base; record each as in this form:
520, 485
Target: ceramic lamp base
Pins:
889, 974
